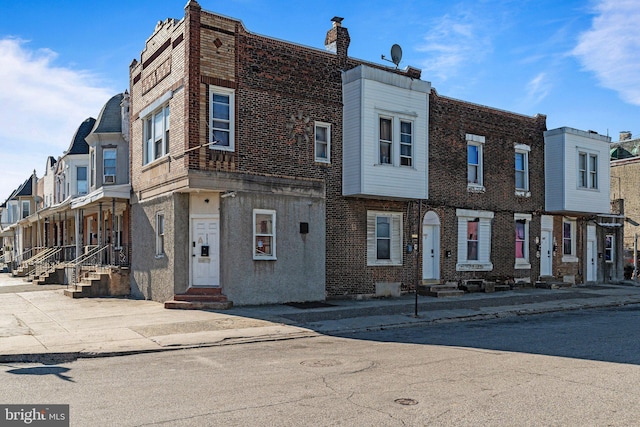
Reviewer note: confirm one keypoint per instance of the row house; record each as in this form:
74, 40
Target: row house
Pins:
16, 232
582, 234
80, 213
263, 171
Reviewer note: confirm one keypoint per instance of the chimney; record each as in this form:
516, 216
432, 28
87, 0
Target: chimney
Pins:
337, 40
625, 135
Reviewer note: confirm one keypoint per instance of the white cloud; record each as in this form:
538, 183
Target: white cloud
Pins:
538, 88
453, 43
611, 47
42, 107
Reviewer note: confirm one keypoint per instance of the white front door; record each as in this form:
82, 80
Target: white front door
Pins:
591, 264
205, 256
431, 247
546, 253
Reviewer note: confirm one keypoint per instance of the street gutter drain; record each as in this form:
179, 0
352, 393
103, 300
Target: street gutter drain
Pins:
406, 401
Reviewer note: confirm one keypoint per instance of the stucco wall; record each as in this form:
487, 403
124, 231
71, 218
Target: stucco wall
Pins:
298, 273
159, 277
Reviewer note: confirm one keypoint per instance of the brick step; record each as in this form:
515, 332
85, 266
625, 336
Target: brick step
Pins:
200, 297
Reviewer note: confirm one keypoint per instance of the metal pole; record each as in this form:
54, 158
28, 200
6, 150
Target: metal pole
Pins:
418, 246
635, 257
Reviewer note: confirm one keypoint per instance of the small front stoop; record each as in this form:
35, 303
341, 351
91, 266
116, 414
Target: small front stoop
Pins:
449, 289
200, 299
91, 285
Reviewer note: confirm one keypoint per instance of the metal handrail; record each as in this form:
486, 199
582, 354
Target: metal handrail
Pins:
90, 258
46, 264
31, 261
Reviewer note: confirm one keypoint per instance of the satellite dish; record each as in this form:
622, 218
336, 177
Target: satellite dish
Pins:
396, 54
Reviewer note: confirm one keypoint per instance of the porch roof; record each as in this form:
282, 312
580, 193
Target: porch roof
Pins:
109, 192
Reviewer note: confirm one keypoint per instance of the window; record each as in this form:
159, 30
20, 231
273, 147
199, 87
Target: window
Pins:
587, 170
156, 134
522, 168
159, 234
93, 167
26, 208
522, 240
386, 143
474, 160
109, 165
474, 240
323, 142
609, 248
406, 143
384, 238
81, 176
221, 119
264, 234
569, 240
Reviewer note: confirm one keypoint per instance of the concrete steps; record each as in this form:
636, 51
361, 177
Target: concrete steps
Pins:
92, 285
447, 290
200, 299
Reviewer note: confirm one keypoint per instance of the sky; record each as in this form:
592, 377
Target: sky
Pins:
577, 62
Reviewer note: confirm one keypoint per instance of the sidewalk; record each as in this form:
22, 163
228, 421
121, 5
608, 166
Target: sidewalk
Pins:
41, 324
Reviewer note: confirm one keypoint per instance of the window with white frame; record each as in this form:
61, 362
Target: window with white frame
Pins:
109, 161
156, 134
406, 143
569, 240
26, 208
522, 240
395, 141
474, 240
264, 234
81, 179
221, 118
609, 248
587, 170
386, 141
475, 145
159, 234
384, 238
522, 167
323, 142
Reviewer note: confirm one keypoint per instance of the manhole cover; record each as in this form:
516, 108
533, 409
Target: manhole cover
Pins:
325, 363
406, 401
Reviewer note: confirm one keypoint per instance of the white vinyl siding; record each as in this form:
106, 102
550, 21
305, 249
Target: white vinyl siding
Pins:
481, 258
384, 238
564, 182
370, 95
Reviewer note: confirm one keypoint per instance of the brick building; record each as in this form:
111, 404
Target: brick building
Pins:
264, 171
486, 191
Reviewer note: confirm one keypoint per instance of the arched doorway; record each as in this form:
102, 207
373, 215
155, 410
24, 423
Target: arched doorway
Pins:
431, 247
